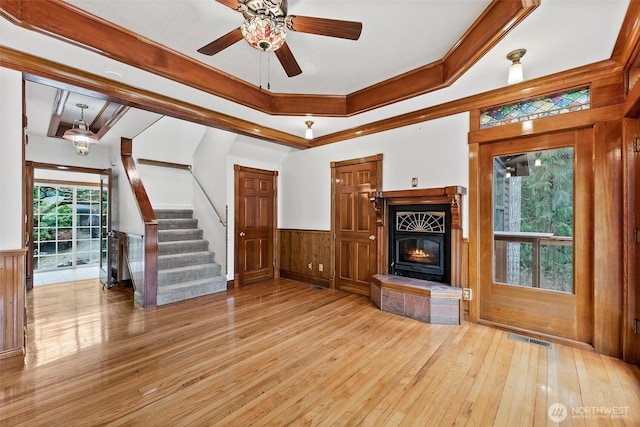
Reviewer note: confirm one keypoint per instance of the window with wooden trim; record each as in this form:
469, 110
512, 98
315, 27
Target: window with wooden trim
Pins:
531, 109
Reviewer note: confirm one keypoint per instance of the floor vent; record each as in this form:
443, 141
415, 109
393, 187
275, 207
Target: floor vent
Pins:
317, 287
522, 338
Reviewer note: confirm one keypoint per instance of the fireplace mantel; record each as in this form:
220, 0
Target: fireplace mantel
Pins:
451, 195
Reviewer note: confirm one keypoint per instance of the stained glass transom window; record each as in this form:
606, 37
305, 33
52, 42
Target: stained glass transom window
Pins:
531, 109
427, 222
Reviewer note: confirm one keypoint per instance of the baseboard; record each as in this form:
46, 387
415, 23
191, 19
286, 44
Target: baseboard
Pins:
305, 278
539, 335
230, 284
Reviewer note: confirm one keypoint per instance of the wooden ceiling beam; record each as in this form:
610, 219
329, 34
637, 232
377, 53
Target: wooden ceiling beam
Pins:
63, 20
63, 77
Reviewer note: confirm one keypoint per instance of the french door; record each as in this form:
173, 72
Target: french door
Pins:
535, 249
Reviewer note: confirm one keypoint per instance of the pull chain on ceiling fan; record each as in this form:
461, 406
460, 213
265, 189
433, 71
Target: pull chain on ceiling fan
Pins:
265, 28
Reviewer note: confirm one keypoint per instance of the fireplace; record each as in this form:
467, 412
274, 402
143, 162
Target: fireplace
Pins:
420, 241
420, 233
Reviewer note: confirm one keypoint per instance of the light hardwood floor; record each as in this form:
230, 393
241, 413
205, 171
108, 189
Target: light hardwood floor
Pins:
284, 353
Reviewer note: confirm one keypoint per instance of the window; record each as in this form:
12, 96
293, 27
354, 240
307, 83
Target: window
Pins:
531, 109
66, 226
533, 219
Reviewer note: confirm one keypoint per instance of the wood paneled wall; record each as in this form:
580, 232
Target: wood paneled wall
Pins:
605, 223
607, 238
12, 306
301, 248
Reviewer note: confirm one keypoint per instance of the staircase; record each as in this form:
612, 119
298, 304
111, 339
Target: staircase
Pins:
186, 268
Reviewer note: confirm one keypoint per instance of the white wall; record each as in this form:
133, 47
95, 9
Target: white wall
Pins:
251, 153
61, 152
168, 140
10, 160
209, 165
435, 152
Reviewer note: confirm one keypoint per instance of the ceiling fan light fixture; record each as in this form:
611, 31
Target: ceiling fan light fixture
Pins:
264, 33
80, 134
515, 70
308, 133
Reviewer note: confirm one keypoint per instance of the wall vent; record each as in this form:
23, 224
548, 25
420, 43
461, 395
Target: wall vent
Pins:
522, 338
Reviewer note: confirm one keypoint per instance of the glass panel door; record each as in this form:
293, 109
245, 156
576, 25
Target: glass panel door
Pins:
533, 219
534, 235
104, 222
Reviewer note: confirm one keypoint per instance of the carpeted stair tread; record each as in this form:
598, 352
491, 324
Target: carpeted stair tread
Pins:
179, 235
191, 289
187, 273
182, 246
177, 223
173, 213
184, 259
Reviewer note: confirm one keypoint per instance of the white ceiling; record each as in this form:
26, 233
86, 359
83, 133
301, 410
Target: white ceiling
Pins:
397, 37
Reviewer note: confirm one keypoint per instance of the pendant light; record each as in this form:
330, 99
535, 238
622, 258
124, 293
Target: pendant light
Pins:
80, 134
515, 70
308, 134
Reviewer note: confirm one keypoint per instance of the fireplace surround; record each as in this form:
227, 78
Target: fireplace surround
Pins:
427, 244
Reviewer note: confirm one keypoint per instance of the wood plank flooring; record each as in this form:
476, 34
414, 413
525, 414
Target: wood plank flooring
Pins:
283, 353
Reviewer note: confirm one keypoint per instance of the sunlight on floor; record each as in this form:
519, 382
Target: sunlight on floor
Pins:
65, 275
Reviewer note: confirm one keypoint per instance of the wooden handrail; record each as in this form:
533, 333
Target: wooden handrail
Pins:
163, 164
150, 223
182, 166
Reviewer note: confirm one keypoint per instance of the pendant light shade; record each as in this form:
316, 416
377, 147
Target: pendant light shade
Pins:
80, 134
515, 70
308, 134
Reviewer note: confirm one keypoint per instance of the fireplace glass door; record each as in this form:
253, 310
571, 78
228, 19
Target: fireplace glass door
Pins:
419, 243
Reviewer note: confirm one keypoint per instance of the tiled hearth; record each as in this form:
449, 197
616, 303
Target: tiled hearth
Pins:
429, 302
423, 300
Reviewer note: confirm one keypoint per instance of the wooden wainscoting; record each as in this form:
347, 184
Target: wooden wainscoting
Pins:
12, 292
300, 249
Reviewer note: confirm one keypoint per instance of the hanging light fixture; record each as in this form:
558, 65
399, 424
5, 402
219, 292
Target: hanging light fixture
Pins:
515, 70
308, 134
80, 134
264, 33
507, 175
538, 161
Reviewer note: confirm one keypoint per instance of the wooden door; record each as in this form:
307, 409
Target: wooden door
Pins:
255, 224
354, 222
539, 306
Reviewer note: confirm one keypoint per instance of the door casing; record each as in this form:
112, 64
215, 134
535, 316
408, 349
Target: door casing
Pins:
255, 224
548, 313
356, 233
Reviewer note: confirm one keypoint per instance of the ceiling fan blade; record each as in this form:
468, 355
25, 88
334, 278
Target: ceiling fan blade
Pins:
222, 43
325, 27
233, 4
289, 63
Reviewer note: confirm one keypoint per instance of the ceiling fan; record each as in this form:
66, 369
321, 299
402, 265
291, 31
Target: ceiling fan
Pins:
265, 27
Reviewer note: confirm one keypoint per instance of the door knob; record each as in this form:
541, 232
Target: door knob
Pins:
242, 234
372, 237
